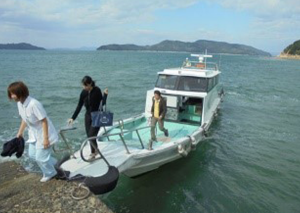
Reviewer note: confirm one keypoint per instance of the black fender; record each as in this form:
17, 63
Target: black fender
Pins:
61, 174
104, 183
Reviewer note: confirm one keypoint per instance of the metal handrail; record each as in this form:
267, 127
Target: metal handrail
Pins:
212, 65
61, 131
127, 131
108, 135
113, 134
121, 125
96, 148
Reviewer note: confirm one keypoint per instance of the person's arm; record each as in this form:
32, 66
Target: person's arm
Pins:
78, 108
152, 107
45, 133
21, 129
105, 94
164, 108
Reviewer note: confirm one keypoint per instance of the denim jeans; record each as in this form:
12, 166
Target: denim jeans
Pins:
44, 159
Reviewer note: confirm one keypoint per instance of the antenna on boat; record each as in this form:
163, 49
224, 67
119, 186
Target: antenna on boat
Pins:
202, 57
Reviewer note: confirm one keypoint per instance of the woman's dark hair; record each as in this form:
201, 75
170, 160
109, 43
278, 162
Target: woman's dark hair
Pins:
87, 80
157, 92
19, 89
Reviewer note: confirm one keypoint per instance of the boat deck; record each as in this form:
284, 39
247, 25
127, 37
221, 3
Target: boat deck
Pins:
176, 131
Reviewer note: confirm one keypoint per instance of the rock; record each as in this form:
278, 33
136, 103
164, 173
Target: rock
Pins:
23, 192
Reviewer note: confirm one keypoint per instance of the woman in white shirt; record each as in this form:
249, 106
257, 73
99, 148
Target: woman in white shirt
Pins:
41, 131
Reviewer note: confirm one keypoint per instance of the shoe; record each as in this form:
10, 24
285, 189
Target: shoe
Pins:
92, 156
150, 144
45, 179
166, 133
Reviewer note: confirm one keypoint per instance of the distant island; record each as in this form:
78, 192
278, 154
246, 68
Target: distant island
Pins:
291, 51
194, 47
20, 46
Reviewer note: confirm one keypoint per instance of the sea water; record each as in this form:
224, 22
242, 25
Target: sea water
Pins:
248, 163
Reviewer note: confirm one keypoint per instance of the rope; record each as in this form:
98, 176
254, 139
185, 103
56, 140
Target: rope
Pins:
81, 186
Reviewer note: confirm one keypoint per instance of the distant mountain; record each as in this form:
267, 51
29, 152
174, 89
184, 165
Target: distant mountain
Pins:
20, 46
195, 47
291, 51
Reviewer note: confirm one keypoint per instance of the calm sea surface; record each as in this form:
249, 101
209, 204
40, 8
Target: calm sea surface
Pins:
250, 161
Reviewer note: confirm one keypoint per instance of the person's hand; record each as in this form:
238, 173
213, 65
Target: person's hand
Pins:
46, 143
106, 91
160, 117
70, 122
19, 135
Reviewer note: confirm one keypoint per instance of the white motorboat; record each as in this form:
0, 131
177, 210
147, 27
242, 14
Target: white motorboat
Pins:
193, 94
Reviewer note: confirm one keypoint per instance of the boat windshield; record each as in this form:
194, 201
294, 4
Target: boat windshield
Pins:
192, 84
166, 81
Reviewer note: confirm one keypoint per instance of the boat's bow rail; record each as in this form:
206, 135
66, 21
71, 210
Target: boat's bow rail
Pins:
121, 135
109, 136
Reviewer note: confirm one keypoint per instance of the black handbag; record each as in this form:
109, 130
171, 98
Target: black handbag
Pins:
102, 118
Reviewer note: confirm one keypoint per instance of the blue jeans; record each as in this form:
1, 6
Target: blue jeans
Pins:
44, 159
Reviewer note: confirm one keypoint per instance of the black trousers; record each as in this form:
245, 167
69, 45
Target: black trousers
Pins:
91, 131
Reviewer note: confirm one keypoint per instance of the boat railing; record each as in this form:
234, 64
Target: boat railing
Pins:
67, 146
202, 66
120, 134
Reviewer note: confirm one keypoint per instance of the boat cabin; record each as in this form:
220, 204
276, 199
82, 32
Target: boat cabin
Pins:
187, 89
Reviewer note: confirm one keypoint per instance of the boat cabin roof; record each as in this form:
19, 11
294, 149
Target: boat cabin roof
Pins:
182, 71
199, 68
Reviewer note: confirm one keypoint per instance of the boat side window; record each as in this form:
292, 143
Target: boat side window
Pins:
217, 80
192, 84
210, 84
166, 81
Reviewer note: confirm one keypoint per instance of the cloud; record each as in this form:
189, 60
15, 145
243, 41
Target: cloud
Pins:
95, 22
93, 13
273, 8
274, 22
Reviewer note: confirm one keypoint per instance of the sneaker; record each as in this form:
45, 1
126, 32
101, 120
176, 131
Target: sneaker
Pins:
45, 179
166, 133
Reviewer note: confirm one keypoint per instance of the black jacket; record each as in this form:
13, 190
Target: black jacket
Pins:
162, 107
91, 101
15, 145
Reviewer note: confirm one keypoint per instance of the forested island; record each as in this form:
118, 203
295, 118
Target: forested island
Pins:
20, 46
199, 46
291, 51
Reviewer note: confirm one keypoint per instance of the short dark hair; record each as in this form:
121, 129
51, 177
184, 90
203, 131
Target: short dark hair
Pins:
157, 92
87, 80
19, 89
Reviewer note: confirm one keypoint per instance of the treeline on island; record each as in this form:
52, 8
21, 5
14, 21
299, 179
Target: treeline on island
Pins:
20, 46
198, 46
291, 51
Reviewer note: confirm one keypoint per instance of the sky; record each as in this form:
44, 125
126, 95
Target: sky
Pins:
269, 25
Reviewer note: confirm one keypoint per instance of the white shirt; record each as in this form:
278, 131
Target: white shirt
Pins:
33, 112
